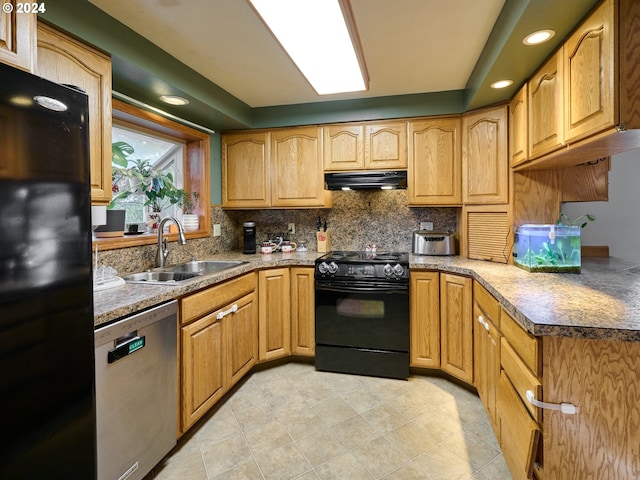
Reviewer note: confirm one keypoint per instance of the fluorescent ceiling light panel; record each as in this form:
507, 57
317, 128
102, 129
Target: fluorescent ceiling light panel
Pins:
315, 35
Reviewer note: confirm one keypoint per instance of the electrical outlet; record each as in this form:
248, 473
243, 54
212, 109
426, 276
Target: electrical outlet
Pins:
426, 225
217, 230
291, 228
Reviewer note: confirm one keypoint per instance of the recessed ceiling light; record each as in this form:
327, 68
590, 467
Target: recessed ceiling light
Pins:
502, 84
538, 37
174, 100
321, 39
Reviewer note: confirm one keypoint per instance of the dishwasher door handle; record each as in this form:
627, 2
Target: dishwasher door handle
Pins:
132, 345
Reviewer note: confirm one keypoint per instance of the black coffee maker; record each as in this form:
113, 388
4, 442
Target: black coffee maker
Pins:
249, 237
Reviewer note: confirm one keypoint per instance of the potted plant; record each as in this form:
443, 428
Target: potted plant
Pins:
188, 203
138, 176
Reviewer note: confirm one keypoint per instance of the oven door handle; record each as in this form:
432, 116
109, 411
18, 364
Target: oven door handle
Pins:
364, 288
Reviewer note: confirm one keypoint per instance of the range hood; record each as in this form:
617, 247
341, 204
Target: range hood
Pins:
385, 180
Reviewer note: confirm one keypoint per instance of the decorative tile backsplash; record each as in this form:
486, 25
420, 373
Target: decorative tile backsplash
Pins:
357, 218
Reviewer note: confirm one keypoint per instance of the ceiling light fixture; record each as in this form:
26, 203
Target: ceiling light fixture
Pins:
502, 84
538, 37
174, 100
321, 38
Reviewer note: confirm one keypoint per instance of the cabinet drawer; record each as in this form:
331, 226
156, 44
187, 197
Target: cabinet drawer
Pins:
205, 301
525, 345
519, 434
487, 303
521, 377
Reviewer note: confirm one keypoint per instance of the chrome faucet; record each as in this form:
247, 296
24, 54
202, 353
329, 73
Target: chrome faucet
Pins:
163, 250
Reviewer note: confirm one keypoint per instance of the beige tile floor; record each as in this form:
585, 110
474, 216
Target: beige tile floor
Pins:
292, 422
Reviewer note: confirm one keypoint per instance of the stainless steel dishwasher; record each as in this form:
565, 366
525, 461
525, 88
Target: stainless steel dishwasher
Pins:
136, 392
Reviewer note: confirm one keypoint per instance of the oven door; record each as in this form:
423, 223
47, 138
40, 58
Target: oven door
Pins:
363, 315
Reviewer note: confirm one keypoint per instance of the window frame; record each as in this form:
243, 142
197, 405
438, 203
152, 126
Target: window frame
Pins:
196, 170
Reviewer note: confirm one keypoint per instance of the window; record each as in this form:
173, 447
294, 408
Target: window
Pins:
175, 148
164, 155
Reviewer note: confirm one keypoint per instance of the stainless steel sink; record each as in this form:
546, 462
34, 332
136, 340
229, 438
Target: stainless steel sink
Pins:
160, 277
204, 267
181, 273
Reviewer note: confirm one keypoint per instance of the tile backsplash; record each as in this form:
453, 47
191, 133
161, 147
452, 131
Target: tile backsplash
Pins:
357, 218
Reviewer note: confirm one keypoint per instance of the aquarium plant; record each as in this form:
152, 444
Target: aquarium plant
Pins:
550, 248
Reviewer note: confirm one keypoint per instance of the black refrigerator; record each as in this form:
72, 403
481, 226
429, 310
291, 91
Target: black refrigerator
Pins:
47, 387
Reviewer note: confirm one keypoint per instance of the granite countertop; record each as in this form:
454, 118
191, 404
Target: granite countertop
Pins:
601, 302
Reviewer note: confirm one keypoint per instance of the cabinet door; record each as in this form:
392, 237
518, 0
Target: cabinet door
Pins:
296, 157
456, 331
203, 369
589, 75
302, 311
486, 360
425, 319
246, 174
519, 434
343, 147
65, 60
17, 37
274, 307
241, 336
484, 157
518, 134
385, 146
546, 107
434, 162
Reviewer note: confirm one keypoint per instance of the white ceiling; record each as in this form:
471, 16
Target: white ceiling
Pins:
410, 46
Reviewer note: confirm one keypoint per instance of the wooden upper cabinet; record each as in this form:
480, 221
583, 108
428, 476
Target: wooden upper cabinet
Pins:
296, 165
385, 146
18, 38
590, 75
518, 129
246, 170
484, 157
434, 162
546, 107
343, 147
63, 59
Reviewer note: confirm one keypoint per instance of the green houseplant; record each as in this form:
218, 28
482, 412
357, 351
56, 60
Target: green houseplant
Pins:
188, 202
141, 177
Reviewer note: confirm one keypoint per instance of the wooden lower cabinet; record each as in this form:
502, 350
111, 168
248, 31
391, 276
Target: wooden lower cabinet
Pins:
441, 323
425, 319
602, 378
218, 344
456, 327
203, 367
519, 433
486, 349
303, 311
241, 337
274, 313
519, 422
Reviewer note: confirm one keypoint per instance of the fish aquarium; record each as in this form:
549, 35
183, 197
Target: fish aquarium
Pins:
547, 248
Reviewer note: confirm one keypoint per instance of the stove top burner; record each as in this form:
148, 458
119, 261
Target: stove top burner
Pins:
359, 256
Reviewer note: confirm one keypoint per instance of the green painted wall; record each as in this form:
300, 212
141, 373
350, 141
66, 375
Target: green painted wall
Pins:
216, 169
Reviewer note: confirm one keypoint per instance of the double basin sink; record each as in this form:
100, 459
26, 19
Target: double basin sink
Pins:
181, 273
